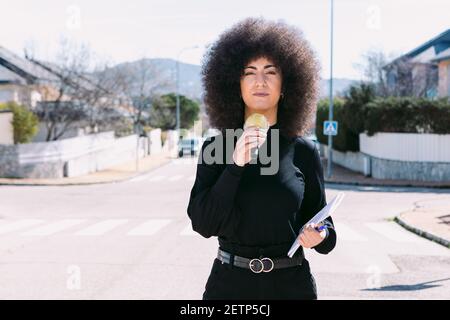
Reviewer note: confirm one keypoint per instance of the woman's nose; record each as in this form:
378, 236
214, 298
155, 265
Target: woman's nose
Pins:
260, 79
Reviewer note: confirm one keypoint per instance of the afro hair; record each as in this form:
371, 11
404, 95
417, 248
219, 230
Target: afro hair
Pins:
249, 39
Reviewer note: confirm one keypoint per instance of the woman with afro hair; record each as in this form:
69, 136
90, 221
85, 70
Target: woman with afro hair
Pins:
267, 68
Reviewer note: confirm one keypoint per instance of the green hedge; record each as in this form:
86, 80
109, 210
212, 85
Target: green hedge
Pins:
25, 122
360, 111
345, 139
412, 115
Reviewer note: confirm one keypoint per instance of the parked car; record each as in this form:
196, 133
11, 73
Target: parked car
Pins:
189, 146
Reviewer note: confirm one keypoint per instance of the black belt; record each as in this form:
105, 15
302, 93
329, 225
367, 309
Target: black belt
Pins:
261, 264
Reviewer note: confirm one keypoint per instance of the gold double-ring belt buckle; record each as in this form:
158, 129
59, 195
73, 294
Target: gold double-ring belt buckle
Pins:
258, 265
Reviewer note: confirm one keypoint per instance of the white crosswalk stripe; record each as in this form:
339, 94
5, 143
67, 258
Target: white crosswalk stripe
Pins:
40, 227
392, 231
53, 228
176, 178
6, 227
149, 227
101, 228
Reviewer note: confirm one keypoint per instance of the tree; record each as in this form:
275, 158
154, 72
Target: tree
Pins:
83, 95
138, 84
25, 122
397, 77
163, 112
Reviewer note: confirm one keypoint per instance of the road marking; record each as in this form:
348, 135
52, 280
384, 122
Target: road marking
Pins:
176, 178
156, 178
149, 227
101, 228
17, 225
345, 233
53, 227
187, 161
140, 178
392, 231
191, 178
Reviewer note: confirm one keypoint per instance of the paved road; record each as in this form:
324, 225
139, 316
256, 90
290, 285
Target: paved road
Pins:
132, 240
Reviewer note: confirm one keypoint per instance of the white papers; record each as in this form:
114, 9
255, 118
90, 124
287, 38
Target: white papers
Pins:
318, 218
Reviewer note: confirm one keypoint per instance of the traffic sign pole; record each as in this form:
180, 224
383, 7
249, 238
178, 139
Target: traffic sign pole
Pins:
330, 116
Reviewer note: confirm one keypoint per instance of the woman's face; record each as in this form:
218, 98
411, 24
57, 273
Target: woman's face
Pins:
261, 85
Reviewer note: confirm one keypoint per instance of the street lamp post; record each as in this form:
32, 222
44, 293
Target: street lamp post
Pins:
178, 86
330, 115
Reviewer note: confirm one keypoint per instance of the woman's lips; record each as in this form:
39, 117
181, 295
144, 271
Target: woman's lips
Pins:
260, 94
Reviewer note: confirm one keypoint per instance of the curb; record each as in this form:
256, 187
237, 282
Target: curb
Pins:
423, 233
387, 185
68, 184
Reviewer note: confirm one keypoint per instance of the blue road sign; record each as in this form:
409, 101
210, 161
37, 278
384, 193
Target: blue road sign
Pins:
330, 128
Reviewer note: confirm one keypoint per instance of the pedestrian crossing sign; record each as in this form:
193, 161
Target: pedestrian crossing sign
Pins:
330, 128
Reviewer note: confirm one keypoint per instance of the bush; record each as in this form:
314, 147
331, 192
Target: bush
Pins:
361, 111
344, 140
408, 114
356, 99
122, 128
25, 122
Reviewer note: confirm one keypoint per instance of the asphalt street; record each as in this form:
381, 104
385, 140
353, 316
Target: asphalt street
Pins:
133, 240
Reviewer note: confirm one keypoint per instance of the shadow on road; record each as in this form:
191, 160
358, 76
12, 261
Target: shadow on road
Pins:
409, 287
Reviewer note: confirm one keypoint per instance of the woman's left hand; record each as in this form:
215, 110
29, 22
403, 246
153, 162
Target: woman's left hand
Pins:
310, 237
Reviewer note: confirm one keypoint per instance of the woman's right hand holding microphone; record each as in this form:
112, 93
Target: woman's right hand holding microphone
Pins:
251, 138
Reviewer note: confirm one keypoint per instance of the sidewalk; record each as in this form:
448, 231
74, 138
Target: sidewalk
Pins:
117, 173
430, 223
343, 175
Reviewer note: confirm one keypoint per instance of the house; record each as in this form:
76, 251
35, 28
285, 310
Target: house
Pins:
35, 83
424, 71
23, 81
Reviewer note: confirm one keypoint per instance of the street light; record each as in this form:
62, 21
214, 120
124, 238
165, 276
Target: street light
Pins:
330, 115
178, 86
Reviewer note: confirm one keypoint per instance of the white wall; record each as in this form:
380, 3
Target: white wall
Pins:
155, 141
105, 154
172, 142
6, 128
355, 161
80, 155
65, 149
407, 146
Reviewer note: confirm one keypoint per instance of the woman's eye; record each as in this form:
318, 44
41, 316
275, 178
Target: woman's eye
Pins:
269, 72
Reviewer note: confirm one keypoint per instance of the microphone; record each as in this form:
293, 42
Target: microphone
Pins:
257, 120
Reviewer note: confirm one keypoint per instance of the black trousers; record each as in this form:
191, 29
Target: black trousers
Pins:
227, 282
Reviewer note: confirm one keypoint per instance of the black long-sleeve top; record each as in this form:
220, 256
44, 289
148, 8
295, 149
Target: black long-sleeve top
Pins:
256, 214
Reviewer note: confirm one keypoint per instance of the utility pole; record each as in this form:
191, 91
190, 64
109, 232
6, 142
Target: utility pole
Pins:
330, 114
178, 86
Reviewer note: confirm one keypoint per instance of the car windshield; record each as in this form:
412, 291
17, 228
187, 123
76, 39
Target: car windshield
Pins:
188, 142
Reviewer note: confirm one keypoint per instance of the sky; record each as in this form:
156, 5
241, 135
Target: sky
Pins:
119, 31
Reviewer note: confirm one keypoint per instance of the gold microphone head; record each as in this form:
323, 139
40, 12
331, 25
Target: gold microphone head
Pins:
256, 120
